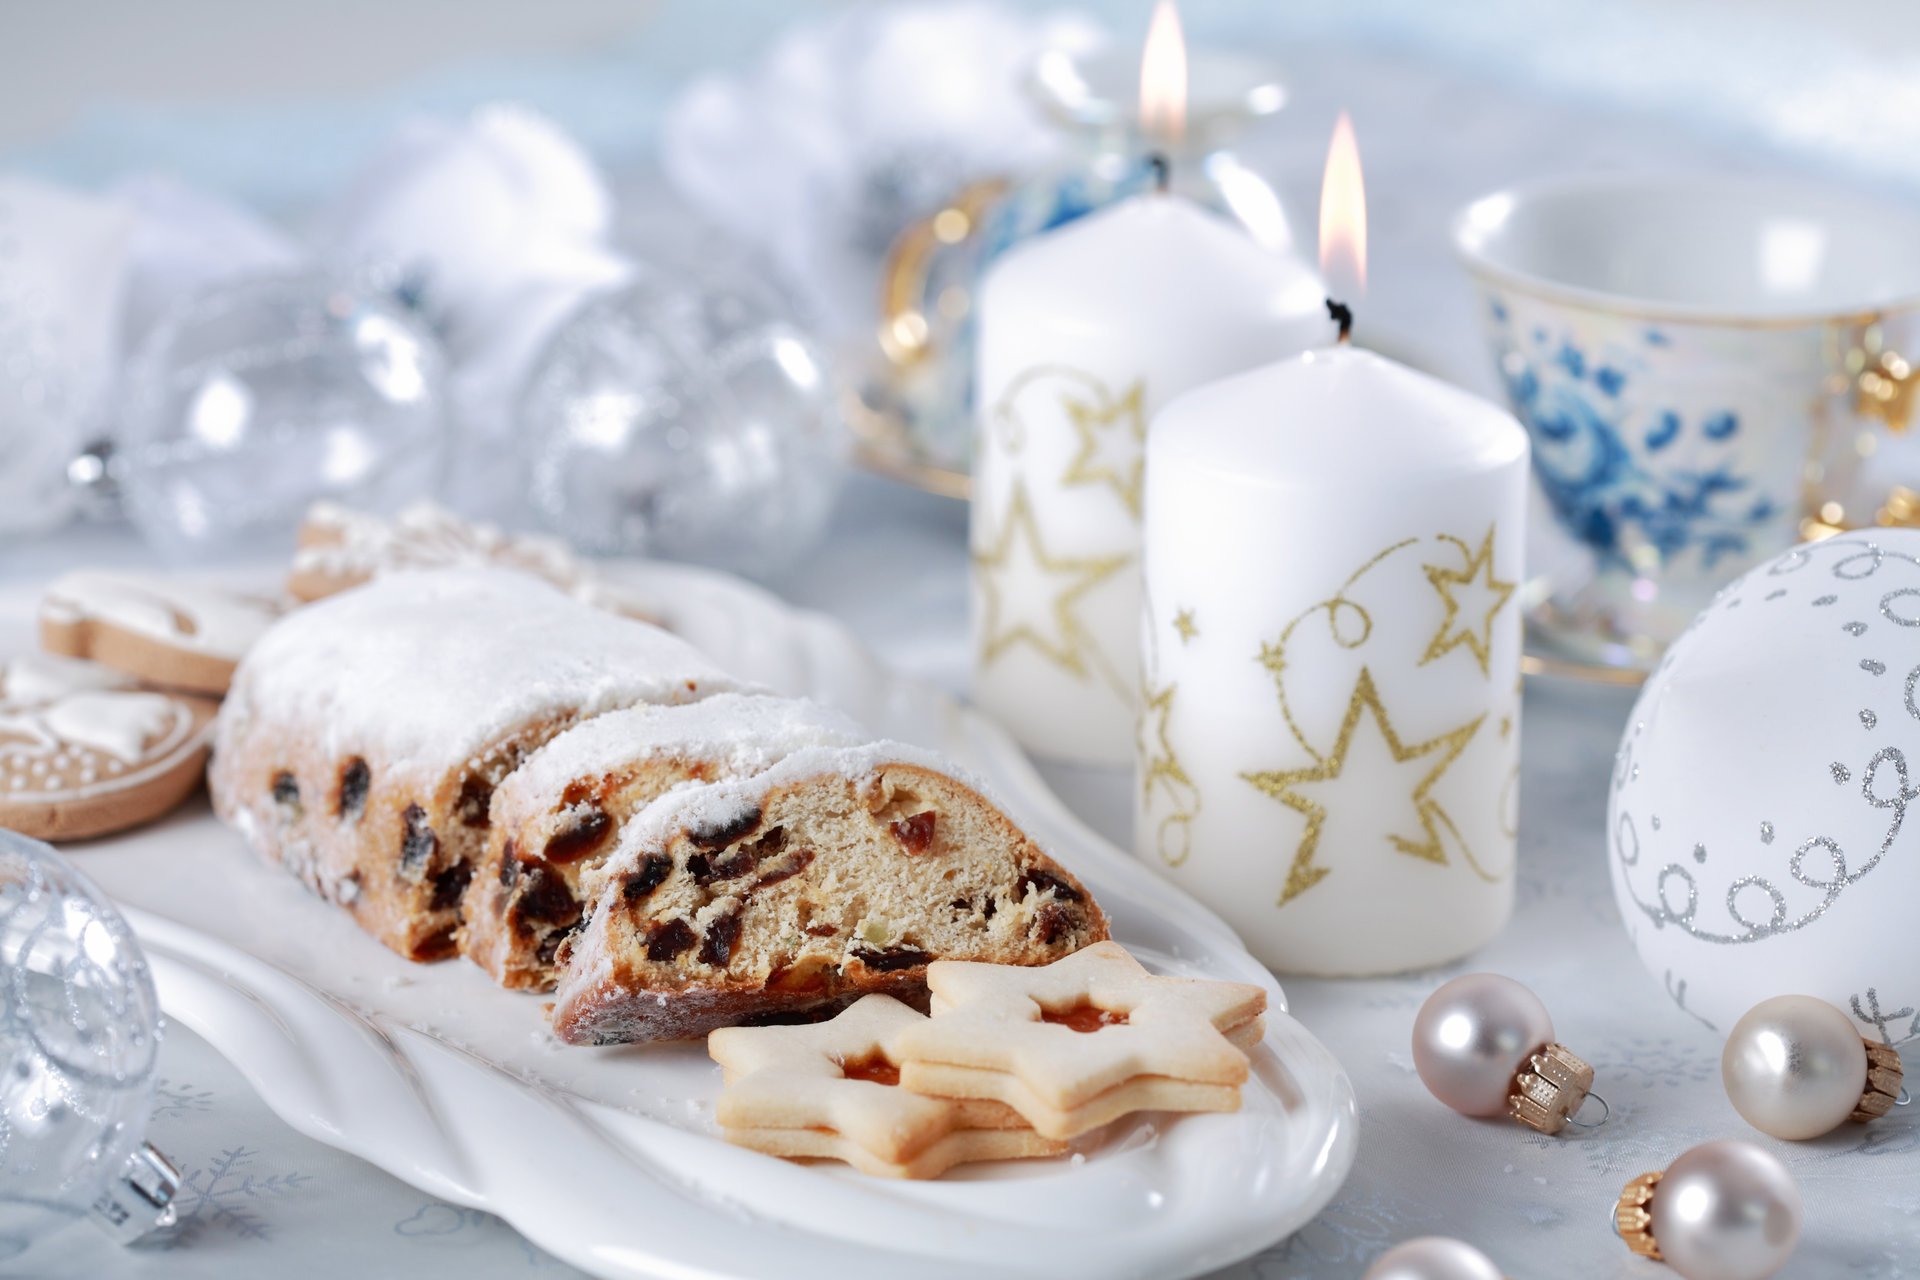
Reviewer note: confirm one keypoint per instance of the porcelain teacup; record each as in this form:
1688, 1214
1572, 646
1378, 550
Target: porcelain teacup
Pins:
1708, 367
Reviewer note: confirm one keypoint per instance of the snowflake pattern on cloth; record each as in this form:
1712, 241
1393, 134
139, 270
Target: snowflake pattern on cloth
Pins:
229, 1194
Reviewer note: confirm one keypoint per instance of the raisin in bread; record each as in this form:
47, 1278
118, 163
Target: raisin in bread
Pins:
791, 894
559, 815
364, 735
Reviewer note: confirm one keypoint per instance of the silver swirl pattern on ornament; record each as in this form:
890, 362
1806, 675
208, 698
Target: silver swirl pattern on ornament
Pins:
1863, 559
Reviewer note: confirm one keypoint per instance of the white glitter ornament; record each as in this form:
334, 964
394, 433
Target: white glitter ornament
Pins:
1756, 825
61, 257
79, 1032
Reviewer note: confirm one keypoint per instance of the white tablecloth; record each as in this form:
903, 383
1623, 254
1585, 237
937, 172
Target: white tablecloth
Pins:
260, 1199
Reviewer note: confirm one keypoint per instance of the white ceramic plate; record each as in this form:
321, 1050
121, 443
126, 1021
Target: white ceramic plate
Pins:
608, 1158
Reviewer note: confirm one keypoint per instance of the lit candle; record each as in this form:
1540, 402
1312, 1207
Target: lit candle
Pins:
1328, 753
1083, 334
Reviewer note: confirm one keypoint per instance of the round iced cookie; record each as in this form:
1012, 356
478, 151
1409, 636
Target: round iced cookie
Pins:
85, 752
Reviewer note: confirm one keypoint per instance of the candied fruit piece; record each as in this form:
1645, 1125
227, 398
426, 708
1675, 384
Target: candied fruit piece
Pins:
722, 932
915, 833
669, 938
1039, 881
652, 873
793, 865
476, 795
418, 844
1052, 921
723, 833
705, 870
355, 779
449, 885
889, 959
587, 833
546, 898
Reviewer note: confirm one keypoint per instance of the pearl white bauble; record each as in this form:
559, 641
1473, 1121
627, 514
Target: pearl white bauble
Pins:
1794, 1067
1433, 1258
1756, 832
1471, 1038
1726, 1211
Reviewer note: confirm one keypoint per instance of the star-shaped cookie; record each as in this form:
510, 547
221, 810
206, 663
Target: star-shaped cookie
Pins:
827, 1091
1075, 1044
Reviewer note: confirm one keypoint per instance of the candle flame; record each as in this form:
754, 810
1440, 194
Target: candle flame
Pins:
1343, 212
1163, 77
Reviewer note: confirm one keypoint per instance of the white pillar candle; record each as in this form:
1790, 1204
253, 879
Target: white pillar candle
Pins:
1329, 750
1083, 334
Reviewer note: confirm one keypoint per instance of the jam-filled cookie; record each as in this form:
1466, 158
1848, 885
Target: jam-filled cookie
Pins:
85, 752
1084, 1041
830, 1091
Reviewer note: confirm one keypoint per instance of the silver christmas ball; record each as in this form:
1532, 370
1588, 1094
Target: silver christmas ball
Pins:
686, 418
79, 1031
1472, 1037
1726, 1211
261, 395
1433, 1258
1794, 1067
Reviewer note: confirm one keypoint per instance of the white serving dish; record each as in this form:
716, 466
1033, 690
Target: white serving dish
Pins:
608, 1158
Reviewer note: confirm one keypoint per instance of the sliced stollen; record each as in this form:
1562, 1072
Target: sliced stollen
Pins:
1082, 1042
830, 1091
790, 894
559, 815
364, 735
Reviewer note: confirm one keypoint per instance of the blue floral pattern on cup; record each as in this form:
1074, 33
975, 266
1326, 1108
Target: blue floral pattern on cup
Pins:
1621, 469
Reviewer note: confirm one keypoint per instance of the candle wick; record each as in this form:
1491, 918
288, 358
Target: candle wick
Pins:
1162, 171
1341, 314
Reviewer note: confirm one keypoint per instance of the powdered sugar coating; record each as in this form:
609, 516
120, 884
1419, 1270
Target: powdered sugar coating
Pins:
428, 668
744, 733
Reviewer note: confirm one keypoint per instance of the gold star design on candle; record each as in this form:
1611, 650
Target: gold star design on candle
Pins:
1183, 623
1284, 785
1475, 580
1162, 762
1056, 634
1112, 437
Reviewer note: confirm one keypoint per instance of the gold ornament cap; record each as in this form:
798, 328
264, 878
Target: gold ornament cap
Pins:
1633, 1220
1549, 1089
1884, 1073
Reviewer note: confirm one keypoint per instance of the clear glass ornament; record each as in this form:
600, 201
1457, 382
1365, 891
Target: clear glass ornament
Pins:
688, 419
79, 1033
262, 395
